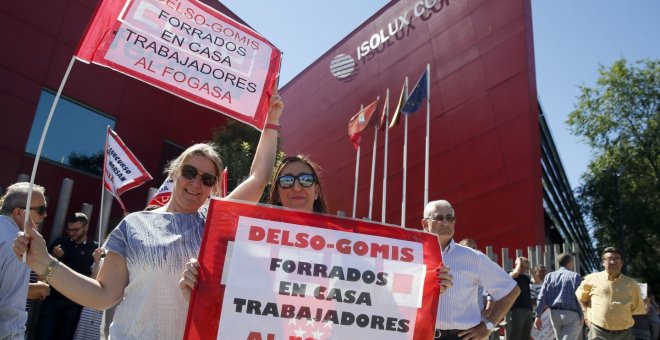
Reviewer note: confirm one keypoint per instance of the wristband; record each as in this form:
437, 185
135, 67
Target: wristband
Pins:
272, 126
49, 270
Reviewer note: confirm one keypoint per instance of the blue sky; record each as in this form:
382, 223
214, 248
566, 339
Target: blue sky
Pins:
571, 39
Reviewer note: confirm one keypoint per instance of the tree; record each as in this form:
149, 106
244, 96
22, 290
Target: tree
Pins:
619, 119
92, 164
238, 143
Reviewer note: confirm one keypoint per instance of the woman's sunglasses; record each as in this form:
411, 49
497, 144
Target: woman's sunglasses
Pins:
190, 172
305, 180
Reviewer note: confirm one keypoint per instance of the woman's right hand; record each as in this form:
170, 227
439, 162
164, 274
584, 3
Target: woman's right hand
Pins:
188, 279
35, 247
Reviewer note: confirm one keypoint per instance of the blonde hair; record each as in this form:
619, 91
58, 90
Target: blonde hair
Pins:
206, 150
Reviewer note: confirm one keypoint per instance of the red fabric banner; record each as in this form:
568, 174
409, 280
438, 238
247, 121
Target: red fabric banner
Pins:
272, 273
188, 49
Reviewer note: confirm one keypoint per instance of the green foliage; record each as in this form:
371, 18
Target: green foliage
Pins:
237, 144
620, 119
92, 164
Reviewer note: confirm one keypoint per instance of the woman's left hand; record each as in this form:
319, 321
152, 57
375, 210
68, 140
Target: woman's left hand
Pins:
275, 107
188, 279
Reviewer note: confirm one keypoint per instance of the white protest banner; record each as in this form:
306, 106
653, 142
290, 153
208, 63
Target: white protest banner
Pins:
188, 49
121, 169
272, 273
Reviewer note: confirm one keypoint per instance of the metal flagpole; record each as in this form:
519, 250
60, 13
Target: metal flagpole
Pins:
373, 169
405, 162
105, 162
428, 136
386, 147
357, 172
41, 145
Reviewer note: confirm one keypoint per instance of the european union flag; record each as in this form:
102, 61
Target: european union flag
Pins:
418, 94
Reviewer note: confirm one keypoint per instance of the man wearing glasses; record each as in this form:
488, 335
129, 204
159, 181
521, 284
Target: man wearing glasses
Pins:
59, 315
14, 274
610, 299
459, 315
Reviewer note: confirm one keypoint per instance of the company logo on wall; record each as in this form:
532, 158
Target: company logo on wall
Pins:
344, 66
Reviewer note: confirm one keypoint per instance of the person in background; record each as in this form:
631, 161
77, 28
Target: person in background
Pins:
59, 316
610, 299
537, 280
520, 325
146, 251
89, 324
15, 275
558, 294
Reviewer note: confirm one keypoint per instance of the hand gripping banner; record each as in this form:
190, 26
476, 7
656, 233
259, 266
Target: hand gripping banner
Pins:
269, 273
188, 49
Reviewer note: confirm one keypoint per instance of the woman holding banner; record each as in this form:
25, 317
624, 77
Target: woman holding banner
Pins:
296, 185
146, 251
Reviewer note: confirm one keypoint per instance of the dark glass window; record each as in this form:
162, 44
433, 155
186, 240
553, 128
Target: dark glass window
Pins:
76, 136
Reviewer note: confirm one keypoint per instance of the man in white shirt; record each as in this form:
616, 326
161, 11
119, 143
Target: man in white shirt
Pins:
459, 316
14, 274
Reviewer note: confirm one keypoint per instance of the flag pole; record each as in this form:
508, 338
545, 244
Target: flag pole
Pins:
386, 147
428, 136
405, 163
105, 162
357, 171
373, 167
41, 145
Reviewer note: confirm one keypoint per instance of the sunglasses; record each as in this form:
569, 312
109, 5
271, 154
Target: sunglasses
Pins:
440, 218
305, 180
190, 172
39, 210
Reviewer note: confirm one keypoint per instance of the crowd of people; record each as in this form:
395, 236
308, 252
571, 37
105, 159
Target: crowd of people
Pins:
147, 268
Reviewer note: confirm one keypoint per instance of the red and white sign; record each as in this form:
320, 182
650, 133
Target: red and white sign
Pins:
163, 194
121, 169
272, 273
188, 49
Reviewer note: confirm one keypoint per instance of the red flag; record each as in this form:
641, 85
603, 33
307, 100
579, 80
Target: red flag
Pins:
402, 99
204, 57
359, 122
121, 169
163, 194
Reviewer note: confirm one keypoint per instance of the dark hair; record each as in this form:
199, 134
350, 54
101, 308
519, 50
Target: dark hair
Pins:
539, 266
320, 204
612, 250
564, 259
78, 217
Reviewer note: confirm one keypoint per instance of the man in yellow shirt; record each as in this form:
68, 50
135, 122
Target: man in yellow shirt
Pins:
610, 299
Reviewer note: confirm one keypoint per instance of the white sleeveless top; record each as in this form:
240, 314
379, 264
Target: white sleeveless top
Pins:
156, 246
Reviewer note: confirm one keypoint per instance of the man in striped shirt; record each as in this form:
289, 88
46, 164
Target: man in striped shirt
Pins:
459, 315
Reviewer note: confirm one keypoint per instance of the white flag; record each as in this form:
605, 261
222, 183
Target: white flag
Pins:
121, 169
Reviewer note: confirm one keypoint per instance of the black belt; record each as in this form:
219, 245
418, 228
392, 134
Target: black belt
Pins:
609, 331
447, 332
559, 308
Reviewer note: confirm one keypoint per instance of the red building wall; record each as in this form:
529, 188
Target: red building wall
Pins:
38, 40
485, 149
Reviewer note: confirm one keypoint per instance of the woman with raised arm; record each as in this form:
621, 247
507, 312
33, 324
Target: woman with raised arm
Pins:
148, 249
